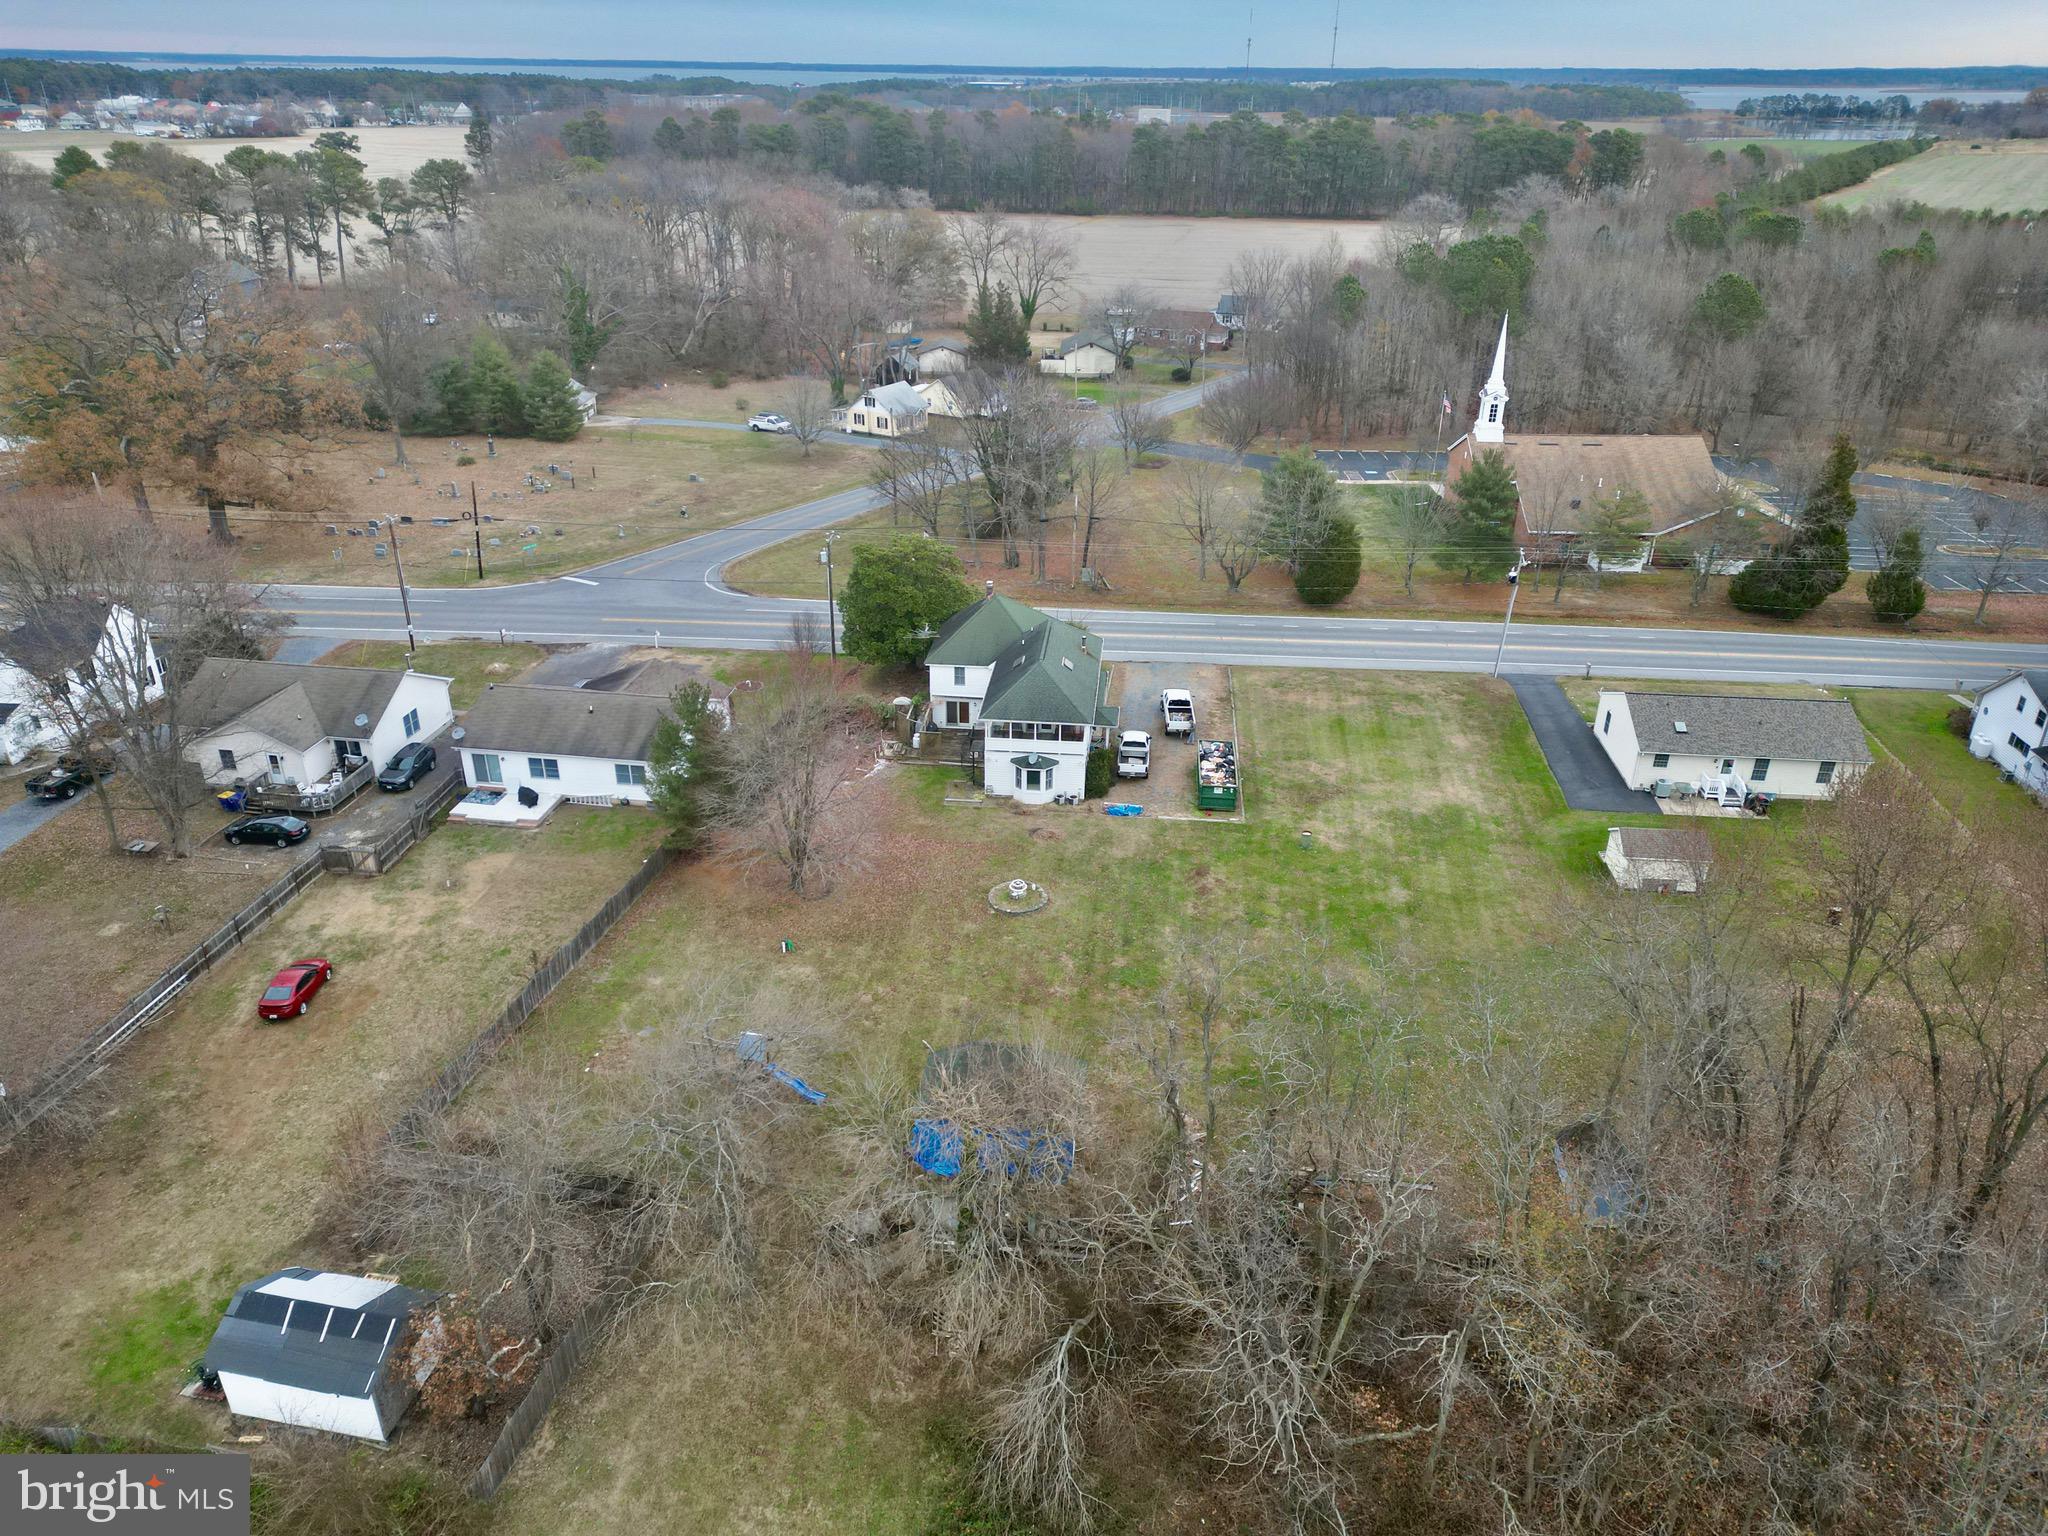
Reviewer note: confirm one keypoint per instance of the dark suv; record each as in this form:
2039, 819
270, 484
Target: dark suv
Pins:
409, 764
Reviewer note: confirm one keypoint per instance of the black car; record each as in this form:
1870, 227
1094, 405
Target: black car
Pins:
409, 764
282, 831
70, 777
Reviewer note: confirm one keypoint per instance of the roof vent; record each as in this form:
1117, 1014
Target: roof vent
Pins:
1678, 726
1067, 662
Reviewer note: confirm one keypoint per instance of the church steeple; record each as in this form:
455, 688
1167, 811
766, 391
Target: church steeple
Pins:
1491, 427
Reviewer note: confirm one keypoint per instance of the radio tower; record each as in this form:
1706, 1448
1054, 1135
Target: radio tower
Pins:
1336, 11
1249, 11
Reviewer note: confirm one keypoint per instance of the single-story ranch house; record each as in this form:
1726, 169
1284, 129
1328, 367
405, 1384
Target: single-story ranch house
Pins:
315, 1350
1083, 355
305, 725
2011, 727
1034, 686
527, 748
1730, 744
48, 670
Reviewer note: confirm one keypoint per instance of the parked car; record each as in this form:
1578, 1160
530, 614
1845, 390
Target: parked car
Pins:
292, 988
768, 421
1134, 755
1177, 709
409, 764
282, 831
70, 776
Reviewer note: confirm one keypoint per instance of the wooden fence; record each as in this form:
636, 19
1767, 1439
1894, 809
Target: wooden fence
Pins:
17, 1114
447, 1086
380, 856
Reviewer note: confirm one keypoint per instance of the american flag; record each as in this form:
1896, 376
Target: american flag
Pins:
1447, 405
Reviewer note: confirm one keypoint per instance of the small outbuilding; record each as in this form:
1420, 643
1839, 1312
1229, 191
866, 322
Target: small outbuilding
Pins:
313, 1349
1658, 858
1083, 355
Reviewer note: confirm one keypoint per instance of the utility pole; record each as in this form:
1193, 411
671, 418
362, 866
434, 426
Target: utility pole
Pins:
411, 641
477, 523
1336, 12
1514, 586
831, 606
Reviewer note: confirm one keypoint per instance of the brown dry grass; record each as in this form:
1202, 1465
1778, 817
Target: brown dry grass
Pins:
224, 1134
626, 478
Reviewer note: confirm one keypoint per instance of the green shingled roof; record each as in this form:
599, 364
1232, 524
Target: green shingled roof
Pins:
1054, 673
981, 632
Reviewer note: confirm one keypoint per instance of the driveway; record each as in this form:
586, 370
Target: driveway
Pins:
1590, 781
23, 814
1169, 790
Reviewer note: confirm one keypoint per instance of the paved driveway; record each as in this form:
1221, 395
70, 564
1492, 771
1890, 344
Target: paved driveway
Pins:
23, 814
1590, 781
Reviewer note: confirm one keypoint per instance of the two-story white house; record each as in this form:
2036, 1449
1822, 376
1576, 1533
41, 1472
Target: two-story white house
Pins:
2011, 727
1036, 688
57, 670
887, 410
304, 725
1727, 745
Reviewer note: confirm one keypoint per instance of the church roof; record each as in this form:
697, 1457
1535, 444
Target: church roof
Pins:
1560, 475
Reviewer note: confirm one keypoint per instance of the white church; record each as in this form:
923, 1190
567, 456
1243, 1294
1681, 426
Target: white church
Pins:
1561, 477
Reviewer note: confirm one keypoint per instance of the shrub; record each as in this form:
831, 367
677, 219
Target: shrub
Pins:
741, 404
1329, 572
1960, 719
719, 380
1182, 375
464, 460
1101, 772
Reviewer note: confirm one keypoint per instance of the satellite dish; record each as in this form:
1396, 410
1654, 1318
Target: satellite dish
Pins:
362, 719
457, 734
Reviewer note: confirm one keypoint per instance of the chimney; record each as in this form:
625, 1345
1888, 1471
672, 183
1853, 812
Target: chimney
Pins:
988, 588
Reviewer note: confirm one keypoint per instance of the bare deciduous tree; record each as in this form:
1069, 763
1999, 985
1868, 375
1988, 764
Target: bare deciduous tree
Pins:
1202, 502
1041, 263
1415, 519
1138, 425
807, 406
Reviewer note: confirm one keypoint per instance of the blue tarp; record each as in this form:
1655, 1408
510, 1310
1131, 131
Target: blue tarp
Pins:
803, 1089
1123, 809
939, 1146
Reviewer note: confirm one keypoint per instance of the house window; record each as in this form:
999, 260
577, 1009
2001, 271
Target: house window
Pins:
881, 423
1029, 778
859, 420
486, 768
87, 671
1048, 733
227, 759
630, 773
2020, 745
959, 677
543, 768
412, 722
1760, 770
1826, 774
1073, 733
999, 729
2019, 704
2041, 716
343, 747
1606, 721
1727, 765
1661, 760
958, 711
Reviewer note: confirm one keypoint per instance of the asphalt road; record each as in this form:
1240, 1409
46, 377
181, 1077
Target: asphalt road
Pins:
675, 595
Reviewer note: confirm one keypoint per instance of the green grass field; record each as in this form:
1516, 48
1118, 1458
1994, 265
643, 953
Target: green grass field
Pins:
2007, 176
1798, 149
1913, 727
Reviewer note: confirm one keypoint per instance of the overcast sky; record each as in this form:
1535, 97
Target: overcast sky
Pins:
1286, 33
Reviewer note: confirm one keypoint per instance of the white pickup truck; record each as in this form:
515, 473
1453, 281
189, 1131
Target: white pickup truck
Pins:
1177, 707
1134, 755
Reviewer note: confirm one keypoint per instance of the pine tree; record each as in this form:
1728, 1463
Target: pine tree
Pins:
996, 337
1298, 500
1614, 532
1480, 540
494, 386
1896, 592
551, 409
1329, 572
692, 765
668, 139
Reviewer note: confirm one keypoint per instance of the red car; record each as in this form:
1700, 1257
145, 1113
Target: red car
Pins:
292, 988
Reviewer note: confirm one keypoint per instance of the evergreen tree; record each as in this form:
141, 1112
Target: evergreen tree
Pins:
692, 765
589, 136
500, 399
1729, 308
669, 141
1298, 501
1329, 572
996, 337
1896, 592
72, 162
1803, 572
550, 406
1480, 539
476, 142
897, 592
454, 392
1614, 533
586, 337
1701, 229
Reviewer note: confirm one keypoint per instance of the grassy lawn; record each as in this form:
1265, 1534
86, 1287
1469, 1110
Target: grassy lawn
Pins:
1798, 149
1913, 727
221, 1134
1437, 831
468, 664
629, 484
2002, 175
